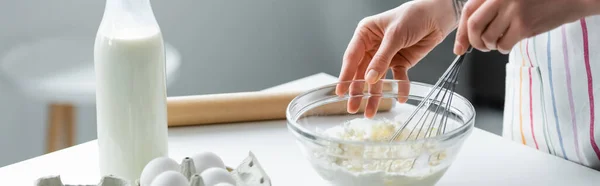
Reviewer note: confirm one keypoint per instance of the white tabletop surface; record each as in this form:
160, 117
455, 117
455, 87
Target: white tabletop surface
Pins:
485, 159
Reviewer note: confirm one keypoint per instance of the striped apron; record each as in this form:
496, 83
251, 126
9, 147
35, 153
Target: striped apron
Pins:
552, 90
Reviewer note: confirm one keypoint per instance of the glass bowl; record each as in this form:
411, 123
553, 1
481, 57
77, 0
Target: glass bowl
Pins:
361, 153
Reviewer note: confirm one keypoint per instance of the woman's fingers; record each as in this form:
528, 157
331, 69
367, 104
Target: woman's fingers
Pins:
509, 39
375, 90
357, 88
382, 58
462, 35
479, 22
352, 57
495, 31
401, 73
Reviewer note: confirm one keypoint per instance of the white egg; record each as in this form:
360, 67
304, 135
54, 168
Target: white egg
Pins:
215, 175
155, 168
206, 160
170, 178
224, 184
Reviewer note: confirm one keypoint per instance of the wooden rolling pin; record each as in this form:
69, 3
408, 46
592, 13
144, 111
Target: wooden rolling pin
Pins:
242, 107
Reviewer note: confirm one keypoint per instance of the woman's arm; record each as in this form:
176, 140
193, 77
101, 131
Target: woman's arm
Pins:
500, 24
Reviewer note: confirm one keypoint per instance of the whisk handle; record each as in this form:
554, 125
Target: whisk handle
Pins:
469, 49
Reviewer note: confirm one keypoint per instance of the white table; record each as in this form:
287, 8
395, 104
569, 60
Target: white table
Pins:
486, 159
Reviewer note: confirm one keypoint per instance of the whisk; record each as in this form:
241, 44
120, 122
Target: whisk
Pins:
438, 106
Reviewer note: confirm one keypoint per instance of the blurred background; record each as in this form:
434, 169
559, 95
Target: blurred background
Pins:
46, 58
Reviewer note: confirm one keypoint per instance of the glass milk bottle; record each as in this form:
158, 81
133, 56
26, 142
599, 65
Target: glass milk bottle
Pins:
129, 59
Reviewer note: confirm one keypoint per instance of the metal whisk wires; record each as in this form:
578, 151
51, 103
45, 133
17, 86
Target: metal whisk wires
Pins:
435, 116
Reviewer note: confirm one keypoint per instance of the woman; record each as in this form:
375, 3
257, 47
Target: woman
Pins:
553, 72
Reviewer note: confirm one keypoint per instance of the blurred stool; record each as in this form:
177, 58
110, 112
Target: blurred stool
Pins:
60, 72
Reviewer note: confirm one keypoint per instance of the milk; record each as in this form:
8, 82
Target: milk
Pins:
129, 59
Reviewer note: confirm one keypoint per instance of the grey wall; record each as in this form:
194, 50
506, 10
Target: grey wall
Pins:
226, 46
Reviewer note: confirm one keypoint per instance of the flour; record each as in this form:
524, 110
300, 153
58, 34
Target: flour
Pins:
382, 165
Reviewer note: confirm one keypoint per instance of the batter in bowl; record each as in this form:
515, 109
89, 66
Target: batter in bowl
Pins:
379, 165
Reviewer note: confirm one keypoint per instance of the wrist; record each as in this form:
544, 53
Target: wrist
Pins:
447, 13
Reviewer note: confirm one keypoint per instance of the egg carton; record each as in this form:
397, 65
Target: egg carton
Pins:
247, 173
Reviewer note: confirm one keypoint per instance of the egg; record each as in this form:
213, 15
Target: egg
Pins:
223, 184
214, 175
206, 160
170, 178
155, 168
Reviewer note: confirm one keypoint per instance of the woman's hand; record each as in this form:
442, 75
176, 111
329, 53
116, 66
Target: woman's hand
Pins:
396, 39
500, 24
